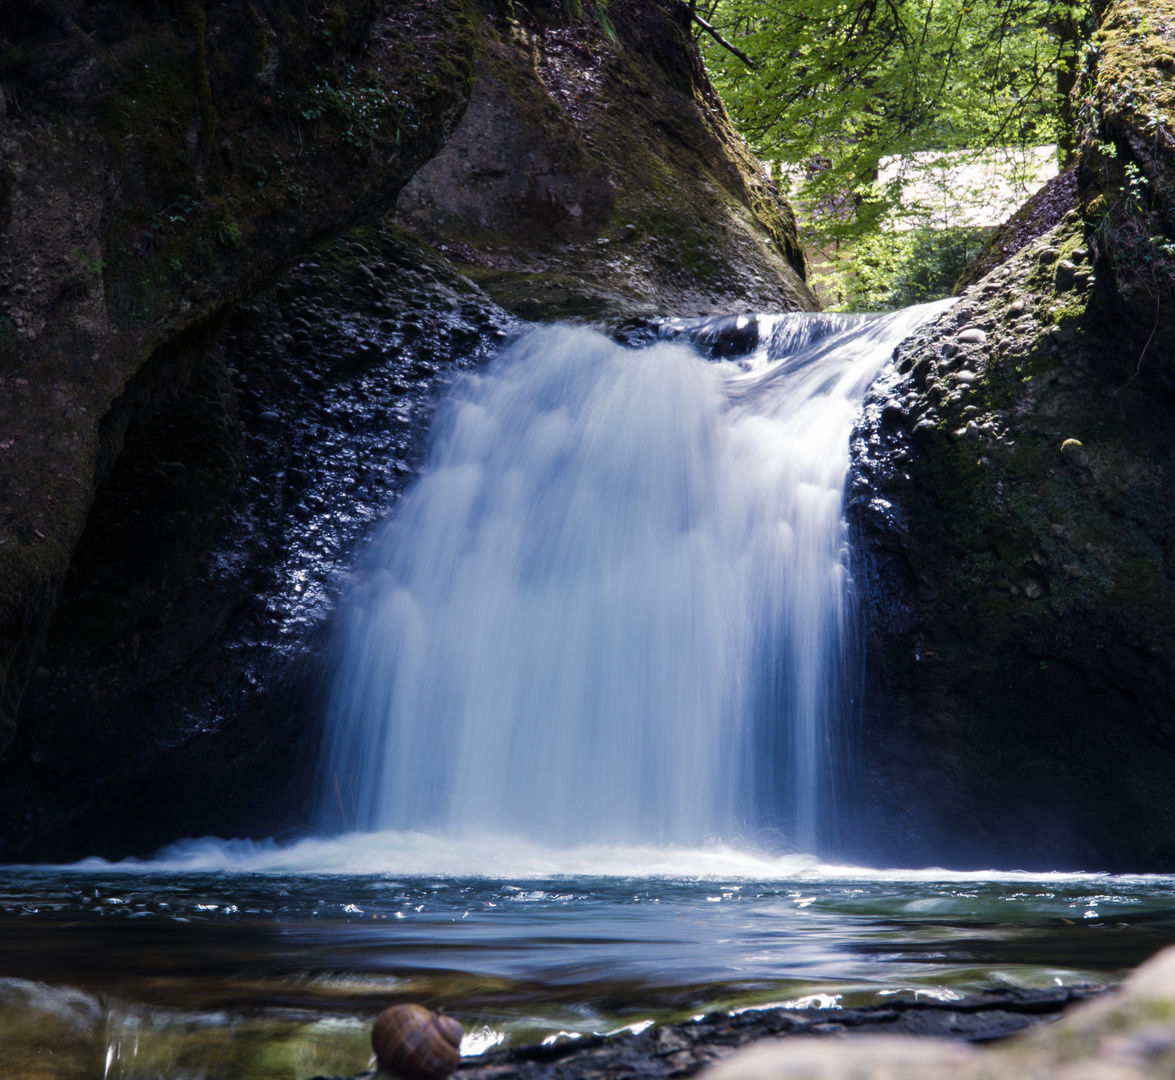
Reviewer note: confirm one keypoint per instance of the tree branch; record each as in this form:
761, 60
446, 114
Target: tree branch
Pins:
720, 39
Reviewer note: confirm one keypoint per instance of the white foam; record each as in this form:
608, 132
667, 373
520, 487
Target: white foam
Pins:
495, 855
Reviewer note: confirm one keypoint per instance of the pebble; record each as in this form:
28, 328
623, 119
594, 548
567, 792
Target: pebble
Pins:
1066, 275
972, 336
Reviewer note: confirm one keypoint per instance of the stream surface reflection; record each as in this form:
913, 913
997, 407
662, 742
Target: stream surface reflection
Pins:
243, 960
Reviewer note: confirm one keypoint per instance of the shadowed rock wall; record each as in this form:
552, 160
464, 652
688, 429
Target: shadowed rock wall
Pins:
159, 161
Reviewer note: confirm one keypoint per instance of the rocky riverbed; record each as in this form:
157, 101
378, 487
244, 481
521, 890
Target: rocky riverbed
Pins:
682, 1050
1127, 1035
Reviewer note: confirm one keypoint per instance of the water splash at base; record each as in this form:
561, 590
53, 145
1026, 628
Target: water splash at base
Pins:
512, 858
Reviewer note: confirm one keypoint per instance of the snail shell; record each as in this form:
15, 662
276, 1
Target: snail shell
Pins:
416, 1043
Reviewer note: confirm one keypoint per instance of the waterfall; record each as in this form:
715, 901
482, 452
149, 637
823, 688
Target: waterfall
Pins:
616, 606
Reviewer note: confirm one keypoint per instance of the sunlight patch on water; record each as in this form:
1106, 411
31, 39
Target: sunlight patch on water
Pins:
480, 1040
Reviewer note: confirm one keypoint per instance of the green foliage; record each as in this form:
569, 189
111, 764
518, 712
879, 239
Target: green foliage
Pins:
885, 270
1136, 231
1126, 103
597, 10
228, 235
840, 85
88, 265
359, 112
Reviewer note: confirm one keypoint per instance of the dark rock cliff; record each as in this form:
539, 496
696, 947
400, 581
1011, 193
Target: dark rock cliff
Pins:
206, 402
1014, 503
634, 194
159, 162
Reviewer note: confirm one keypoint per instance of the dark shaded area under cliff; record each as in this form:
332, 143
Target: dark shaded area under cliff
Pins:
163, 707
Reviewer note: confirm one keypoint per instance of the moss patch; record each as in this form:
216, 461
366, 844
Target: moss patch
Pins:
1127, 168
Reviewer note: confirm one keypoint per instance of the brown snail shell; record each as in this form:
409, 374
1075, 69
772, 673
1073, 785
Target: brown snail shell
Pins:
416, 1043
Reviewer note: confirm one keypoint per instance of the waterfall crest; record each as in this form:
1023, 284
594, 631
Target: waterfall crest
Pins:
616, 604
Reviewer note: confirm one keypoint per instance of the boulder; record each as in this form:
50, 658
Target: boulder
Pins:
595, 175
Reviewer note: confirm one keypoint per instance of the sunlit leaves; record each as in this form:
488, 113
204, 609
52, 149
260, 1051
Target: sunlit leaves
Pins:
841, 84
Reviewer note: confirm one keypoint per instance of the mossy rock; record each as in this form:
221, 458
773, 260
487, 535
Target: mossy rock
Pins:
1126, 173
595, 176
1012, 531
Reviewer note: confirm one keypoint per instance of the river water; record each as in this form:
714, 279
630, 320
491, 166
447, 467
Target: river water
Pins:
241, 961
595, 690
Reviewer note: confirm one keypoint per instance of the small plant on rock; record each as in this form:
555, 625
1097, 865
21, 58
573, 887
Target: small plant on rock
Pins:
228, 235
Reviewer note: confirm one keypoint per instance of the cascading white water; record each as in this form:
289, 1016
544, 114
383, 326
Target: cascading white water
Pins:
615, 605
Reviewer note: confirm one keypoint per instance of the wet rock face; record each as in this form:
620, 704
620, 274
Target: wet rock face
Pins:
156, 163
186, 701
1013, 500
1015, 507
